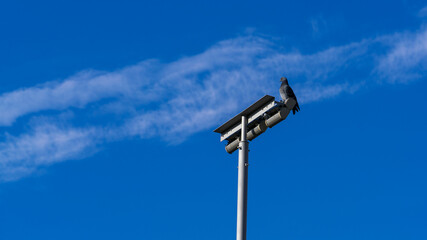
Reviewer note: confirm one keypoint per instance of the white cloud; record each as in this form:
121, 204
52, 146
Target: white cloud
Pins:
76, 91
407, 58
174, 100
423, 12
44, 145
318, 26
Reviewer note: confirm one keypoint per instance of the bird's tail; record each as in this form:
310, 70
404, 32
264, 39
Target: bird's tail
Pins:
296, 108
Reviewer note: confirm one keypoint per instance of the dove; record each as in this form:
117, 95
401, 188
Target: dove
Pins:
287, 92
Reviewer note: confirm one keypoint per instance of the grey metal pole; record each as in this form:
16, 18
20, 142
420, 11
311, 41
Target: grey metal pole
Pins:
242, 188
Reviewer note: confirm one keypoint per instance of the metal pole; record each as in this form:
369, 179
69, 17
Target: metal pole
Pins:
242, 188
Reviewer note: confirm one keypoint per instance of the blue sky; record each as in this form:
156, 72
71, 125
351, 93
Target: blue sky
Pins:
107, 112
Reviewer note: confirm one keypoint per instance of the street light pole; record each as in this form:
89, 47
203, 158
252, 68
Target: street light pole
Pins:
242, 185
249, 124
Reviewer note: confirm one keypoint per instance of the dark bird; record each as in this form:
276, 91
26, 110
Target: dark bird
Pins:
287, 92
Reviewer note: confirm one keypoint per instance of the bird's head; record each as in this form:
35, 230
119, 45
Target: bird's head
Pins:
284, 79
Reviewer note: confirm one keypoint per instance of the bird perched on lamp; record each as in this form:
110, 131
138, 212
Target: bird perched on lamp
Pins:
287, 92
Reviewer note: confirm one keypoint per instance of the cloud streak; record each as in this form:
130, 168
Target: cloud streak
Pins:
173, 100
43, 146
407, 59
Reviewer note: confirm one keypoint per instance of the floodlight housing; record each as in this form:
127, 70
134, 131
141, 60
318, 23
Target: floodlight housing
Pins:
264, 113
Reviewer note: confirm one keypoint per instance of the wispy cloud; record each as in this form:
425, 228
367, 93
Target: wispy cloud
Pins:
76, 91
407, 58
318, 26
44, 145
176, 99
423, 12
